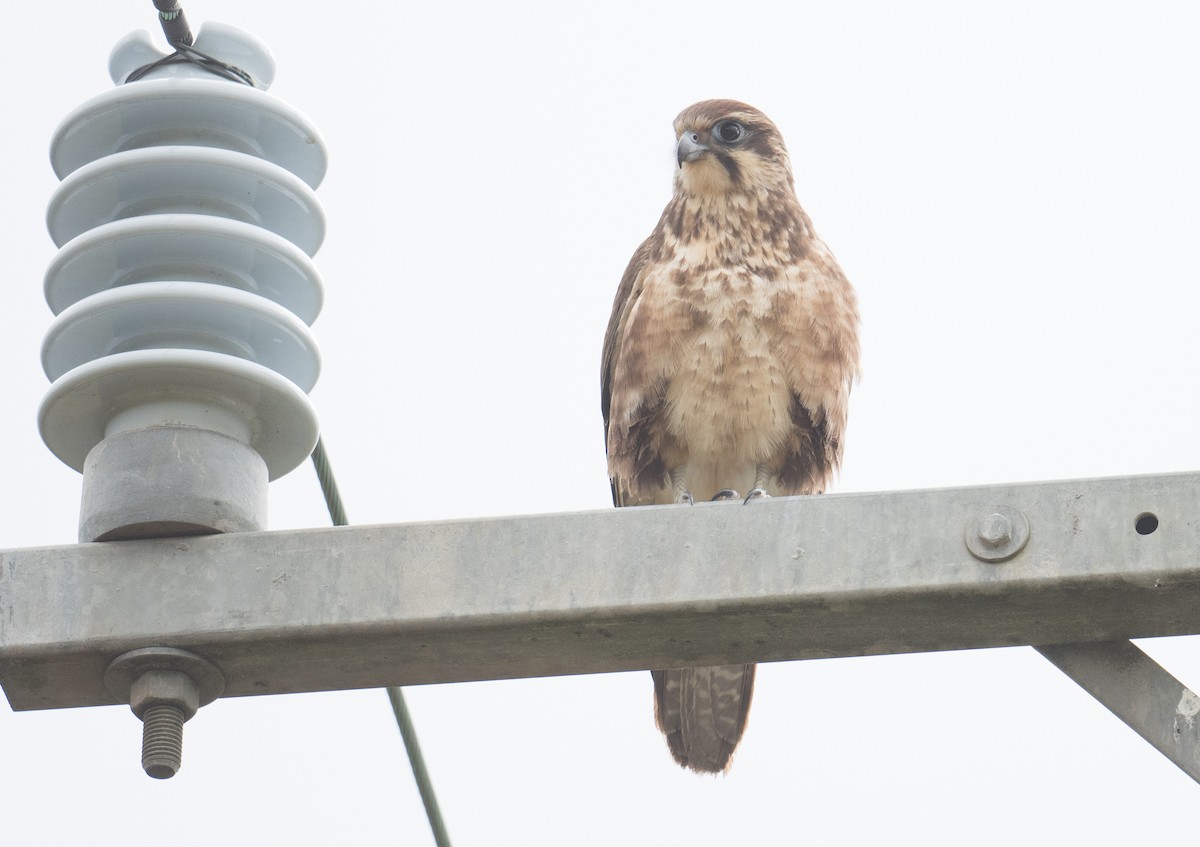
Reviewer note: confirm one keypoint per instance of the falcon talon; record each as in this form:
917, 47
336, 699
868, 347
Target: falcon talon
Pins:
726, 494
756, 494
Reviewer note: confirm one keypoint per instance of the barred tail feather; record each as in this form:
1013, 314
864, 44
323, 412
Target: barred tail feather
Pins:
702, 712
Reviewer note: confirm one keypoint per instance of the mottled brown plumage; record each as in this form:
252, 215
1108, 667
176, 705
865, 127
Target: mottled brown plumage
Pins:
727, 364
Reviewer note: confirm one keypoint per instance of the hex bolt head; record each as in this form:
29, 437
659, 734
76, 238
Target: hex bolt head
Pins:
996, 533
995, 530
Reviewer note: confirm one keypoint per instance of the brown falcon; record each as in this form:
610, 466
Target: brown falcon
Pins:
727, 367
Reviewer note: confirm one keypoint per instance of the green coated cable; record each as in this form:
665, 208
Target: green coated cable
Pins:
424, 785
333, 500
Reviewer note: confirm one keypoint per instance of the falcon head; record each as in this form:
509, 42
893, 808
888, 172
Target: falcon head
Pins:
726, 147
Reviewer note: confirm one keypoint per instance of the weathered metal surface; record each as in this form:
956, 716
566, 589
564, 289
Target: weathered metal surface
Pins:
1137, 690
790, 578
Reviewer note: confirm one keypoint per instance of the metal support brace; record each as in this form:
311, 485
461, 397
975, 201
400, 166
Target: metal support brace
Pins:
623, 589
1140, 692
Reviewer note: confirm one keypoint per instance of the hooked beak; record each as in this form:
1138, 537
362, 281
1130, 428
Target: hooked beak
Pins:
689, 148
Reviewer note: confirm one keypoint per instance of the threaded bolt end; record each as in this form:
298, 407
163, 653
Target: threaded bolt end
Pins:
162, 741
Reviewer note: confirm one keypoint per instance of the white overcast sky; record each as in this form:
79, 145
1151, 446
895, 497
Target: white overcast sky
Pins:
1011, 186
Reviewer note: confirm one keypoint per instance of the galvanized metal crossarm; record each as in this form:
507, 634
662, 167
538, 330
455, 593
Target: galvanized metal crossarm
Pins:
790, 578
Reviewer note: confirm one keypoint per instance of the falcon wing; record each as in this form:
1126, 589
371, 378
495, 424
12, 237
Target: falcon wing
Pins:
627, 295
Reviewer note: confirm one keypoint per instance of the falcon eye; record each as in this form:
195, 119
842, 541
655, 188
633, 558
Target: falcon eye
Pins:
730, 132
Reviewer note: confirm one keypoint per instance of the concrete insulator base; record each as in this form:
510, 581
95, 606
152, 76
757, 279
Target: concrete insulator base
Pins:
164, 481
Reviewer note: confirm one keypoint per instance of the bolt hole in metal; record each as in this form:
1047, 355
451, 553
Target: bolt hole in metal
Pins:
1145, 523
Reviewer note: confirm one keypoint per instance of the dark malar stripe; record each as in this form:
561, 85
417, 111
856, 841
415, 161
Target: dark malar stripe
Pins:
731, 167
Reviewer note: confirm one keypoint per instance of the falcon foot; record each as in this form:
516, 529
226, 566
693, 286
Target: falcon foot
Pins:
726, 494
756, 494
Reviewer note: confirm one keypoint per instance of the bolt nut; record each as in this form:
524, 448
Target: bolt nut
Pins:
131, 667
997, 533
164, 688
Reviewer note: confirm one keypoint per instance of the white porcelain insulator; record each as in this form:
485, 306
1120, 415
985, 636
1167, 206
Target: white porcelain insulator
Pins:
184, 289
